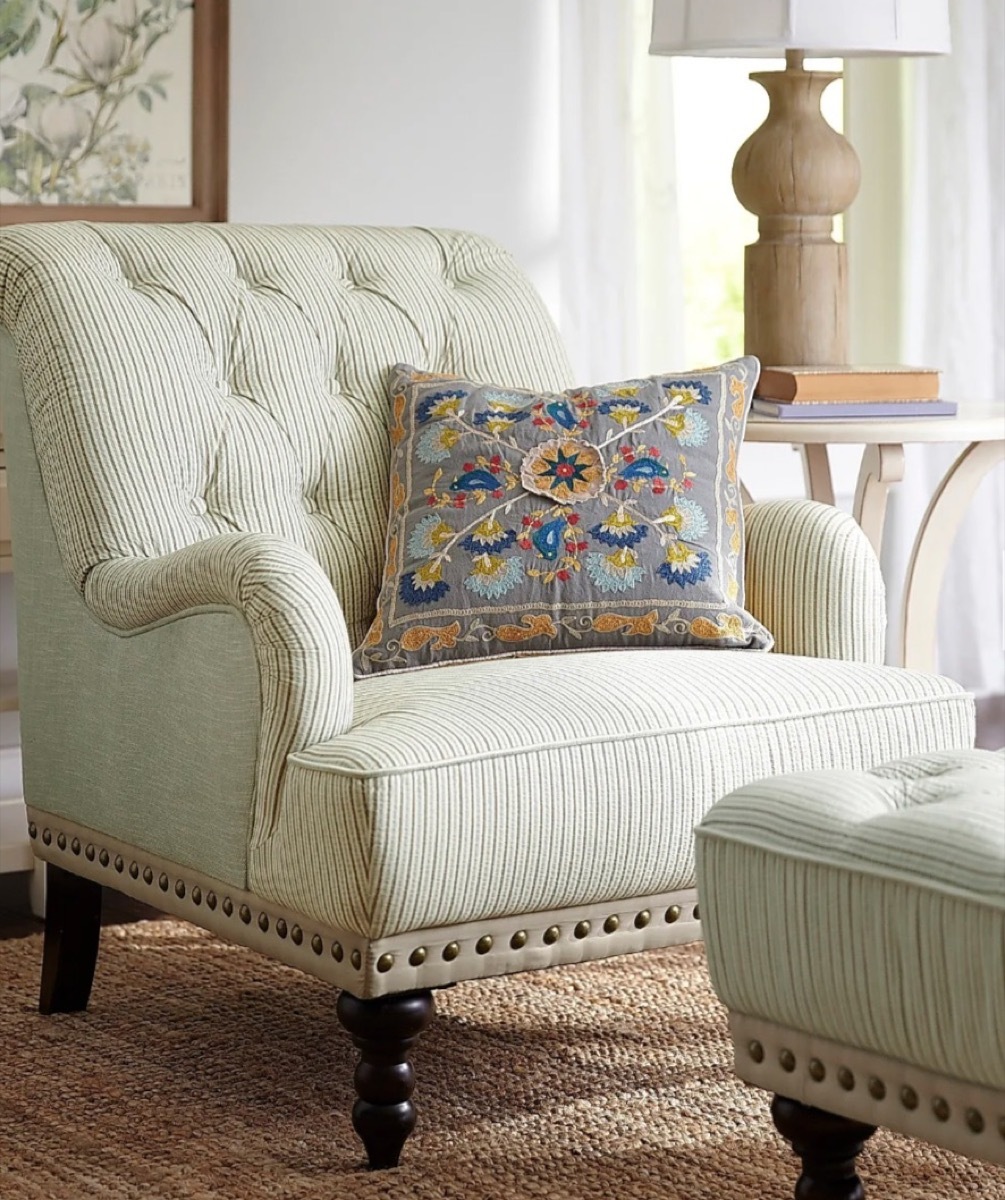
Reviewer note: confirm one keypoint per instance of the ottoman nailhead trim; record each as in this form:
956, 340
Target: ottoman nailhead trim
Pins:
134, 870
450, 951
385, 963
197, 895
672, 914
697, 913
104, 858
32, 830
1001, 1128
817, 1070
582, 930
244, 912
281, 928
553, 933
611, 924
120, 862
756, 1051
846, 1079
940, 1108
263, 922
148, 875
337, 952
877, 1088
356, 959
909, 1097
484, 944
89, 854
179, 889
47, 836
787, 1060
643, 918
317, 944
211, 900
61, 841
975, 1122
518, 940
417, 957
163, 882
227, 906
296, 935
75, 845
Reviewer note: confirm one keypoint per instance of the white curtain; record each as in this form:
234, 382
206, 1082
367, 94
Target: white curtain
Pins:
622, 309
945, 254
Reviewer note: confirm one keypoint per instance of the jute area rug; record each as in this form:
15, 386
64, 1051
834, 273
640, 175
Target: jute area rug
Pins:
206, 1072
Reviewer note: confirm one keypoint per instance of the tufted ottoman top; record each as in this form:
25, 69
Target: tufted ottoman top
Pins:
867, 908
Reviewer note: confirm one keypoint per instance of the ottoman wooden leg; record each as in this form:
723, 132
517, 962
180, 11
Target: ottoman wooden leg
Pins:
828, 1146
70, 949
384, 1031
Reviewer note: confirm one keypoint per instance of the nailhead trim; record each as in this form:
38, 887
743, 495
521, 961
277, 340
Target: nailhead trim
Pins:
611, 924
643, 918
787, 1060
975, 1122
582, 930
846, 1079
317, 945
385, 963
909, 1098
32, 830
89, 853
417, 957
337, 952
756, 1051
672, 914
551, 935
940, 1108
75, 845
518, 940
817, 1070
877, 1088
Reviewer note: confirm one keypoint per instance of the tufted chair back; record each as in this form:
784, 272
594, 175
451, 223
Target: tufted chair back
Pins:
190, 380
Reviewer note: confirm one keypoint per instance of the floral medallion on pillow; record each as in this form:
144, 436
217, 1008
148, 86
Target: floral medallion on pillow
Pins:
598, 518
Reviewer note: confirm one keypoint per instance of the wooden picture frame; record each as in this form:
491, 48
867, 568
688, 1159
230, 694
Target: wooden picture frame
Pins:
209, 147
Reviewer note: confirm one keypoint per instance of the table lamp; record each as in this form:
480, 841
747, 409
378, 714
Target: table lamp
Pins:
796, 172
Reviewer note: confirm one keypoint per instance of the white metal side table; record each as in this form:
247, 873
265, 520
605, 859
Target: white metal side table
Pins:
982, 431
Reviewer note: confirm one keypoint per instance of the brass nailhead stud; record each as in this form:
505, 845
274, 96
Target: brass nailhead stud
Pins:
148, 875
32, 829
356, 959
317, 945
877, 1088
104, 858
643, 918
417, 957
846, 1079
1001, 1128
817, 1070
197, 895
551, 935
134, 870
337, 952
75, 845
673, 914
756, 1051
385, 963
47, 836
61, 841
263, 922
281, 928
940, 1108
89, 853
451, 951
228, 906
244, 912
611, 924
908, 1097
120, 863
211, 901
296, 935
164, 882
975, 1122
518, 940
582, 930
787, 1060
697, 913
484, 944
179, 889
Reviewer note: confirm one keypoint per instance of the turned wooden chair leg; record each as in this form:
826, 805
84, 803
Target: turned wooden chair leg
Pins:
828, 1146
70, 951
384, 1031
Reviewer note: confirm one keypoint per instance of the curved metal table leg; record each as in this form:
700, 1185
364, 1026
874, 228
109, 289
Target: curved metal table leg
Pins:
932, 547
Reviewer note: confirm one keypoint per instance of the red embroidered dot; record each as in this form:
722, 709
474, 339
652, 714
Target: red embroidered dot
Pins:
573, 518
563, 575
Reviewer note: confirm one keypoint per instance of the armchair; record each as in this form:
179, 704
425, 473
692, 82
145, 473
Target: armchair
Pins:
196, 425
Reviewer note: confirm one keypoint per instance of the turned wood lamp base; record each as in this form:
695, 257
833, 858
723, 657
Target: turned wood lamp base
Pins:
796, 173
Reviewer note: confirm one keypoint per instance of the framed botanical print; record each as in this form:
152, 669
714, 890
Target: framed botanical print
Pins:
113, 110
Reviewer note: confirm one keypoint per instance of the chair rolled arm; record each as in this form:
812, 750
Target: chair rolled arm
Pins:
296, 623
814, 580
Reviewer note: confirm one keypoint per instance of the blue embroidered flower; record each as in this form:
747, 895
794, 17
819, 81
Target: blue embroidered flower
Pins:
689, 427
688, 391
489, 537
476, 480
549, 538
493, 576
428, 536
626, 410
440, 404
619, 528
615, 572
423, 586
434, 444
645, 468
684, 566
562, 414
687, 517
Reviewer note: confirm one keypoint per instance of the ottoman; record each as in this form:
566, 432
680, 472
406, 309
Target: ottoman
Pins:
855, 927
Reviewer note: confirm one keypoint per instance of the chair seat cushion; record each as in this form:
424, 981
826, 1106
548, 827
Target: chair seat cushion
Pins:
867, 908
492, 788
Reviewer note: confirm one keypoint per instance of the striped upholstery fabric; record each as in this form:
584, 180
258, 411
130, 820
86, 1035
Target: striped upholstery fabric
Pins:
868, 909
486, 789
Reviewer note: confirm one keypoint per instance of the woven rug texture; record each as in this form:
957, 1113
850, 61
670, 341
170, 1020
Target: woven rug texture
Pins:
203, 1071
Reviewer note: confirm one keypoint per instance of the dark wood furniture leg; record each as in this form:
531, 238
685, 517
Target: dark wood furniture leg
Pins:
70, 951
828, 1146
384, 1031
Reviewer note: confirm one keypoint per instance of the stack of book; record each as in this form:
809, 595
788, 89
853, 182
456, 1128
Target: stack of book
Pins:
852, 393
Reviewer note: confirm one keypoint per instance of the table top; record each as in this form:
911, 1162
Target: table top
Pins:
973, 423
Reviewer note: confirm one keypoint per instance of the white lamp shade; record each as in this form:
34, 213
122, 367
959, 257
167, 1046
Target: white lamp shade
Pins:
823, 28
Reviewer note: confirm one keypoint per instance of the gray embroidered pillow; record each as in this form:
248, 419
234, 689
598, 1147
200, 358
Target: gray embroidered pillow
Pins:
602, 517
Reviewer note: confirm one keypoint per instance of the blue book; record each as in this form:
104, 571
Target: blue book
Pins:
828, 410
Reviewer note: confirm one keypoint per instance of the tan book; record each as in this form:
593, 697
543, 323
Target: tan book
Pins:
822, 385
